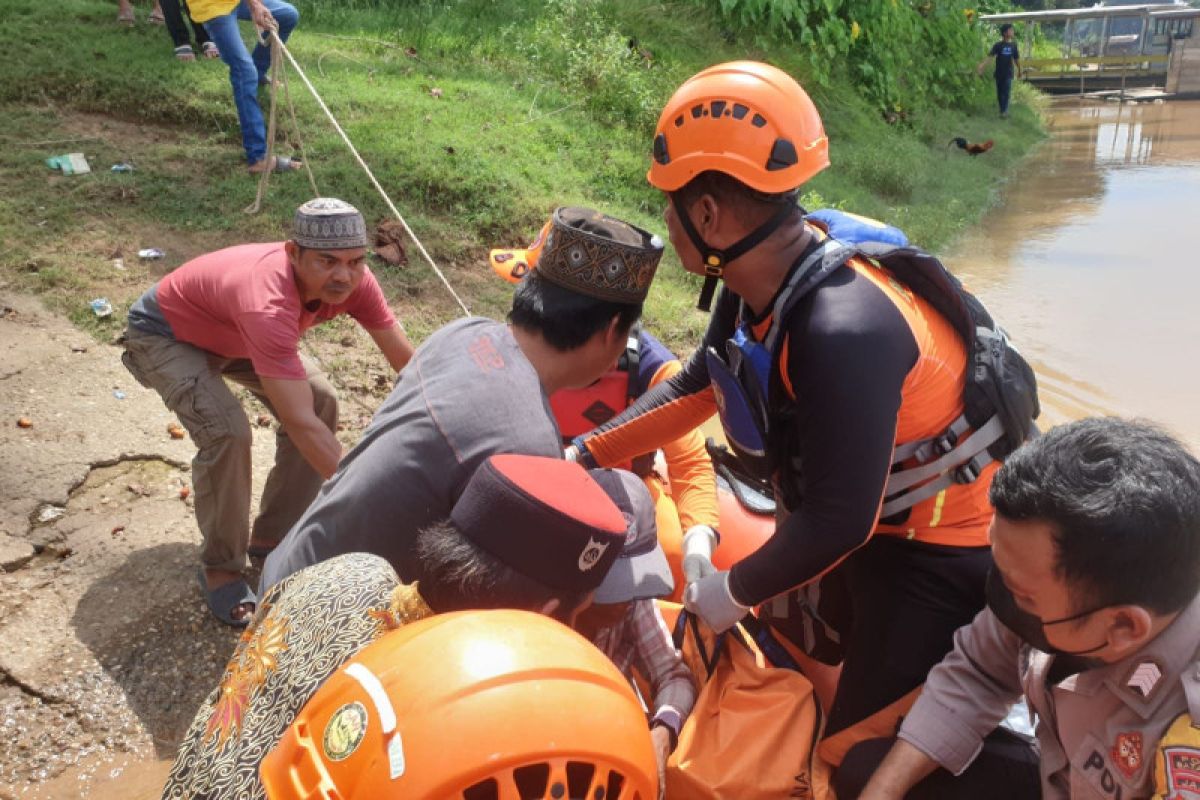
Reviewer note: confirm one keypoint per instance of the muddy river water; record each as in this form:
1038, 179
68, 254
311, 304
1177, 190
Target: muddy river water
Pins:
1090, 261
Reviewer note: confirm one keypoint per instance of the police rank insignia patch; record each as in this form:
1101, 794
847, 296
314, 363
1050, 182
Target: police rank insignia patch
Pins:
1127, 753
1177, 767
1144, 678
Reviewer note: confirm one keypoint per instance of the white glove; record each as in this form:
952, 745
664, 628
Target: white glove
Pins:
698, 545
711, 600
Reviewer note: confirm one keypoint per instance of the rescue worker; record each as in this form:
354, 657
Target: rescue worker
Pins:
860, 364
530, 533
686, 500
478, 387
238, 314
1093, 612
413, 715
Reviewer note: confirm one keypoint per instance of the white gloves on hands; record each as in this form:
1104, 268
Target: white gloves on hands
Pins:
711, 600
698, 545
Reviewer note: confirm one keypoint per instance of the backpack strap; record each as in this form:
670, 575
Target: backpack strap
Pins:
962, 464
630, 362
957, 455
816, 267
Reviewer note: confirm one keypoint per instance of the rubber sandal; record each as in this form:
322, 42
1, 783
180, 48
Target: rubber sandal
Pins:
185, 53
156, 18
127, 19
222, 600
210, 50
282, 164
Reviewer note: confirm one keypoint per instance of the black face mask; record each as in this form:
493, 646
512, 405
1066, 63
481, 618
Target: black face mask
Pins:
1029, 627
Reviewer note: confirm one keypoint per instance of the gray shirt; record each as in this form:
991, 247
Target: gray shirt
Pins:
146, 315
468, 393
1098, 730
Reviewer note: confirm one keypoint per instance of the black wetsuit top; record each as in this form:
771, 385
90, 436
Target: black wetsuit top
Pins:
849, 351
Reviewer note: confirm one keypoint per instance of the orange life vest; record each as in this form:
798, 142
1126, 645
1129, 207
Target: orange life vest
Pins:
578, 411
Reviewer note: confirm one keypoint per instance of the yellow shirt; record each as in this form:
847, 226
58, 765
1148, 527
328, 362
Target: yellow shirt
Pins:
204, 10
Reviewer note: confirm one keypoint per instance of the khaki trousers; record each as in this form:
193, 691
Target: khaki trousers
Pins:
191, 382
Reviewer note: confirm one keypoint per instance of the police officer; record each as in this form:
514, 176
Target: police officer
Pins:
1093, 613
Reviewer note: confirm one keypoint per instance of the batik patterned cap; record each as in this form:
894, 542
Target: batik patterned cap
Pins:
599, 256
326, 223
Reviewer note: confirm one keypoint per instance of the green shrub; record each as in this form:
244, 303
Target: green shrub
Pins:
575, 46
901, 53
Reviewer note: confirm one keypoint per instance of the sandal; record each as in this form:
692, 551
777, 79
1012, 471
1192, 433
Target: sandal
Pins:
209, 49
156, 17
225, 598
185, 53
282, 164
126, 18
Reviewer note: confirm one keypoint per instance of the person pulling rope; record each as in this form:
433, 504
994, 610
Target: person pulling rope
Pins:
278, 52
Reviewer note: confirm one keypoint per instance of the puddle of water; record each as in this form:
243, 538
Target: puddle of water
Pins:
1089, 262
106, 778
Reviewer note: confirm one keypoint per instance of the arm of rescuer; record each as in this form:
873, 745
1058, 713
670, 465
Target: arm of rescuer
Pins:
693, 482
394, 345
292, 401
671, 409
965, 697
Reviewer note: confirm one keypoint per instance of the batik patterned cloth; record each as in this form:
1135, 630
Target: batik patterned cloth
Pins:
305, 628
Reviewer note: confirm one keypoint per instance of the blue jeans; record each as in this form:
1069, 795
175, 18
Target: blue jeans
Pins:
247, 71
1003, 92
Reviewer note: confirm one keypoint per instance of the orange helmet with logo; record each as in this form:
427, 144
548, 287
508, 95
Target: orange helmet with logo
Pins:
747, 119
473, 705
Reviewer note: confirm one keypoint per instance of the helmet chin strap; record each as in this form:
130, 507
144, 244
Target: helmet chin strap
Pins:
715, 260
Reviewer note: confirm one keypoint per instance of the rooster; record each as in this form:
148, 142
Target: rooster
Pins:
972, 149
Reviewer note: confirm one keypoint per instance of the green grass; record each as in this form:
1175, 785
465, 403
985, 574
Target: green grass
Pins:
542, 104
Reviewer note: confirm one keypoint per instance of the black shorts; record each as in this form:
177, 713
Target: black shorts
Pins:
888, 614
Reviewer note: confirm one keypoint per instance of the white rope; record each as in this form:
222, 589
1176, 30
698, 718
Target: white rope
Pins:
276, 41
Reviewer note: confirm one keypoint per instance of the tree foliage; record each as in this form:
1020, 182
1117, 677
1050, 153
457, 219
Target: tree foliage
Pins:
902, 53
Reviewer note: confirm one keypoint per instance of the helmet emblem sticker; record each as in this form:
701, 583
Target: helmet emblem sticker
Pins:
345, 731
591, 554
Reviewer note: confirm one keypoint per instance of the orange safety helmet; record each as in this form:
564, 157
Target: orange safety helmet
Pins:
472, 705
749, 120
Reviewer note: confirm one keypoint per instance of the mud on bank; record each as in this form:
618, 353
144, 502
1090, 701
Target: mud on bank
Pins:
107, 645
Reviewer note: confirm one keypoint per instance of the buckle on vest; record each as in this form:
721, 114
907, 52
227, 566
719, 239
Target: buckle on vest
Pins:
946, 442
970, 471
936, 447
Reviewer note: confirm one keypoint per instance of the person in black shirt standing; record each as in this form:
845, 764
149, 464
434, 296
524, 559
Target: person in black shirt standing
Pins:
1007, 57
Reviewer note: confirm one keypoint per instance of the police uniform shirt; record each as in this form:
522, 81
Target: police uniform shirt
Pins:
1119, 731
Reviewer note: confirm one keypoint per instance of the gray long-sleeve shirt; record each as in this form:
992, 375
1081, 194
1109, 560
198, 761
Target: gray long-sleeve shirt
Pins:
468, 393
